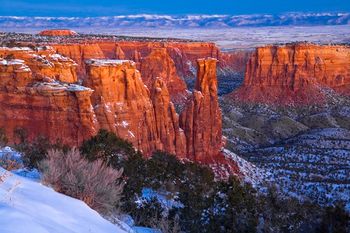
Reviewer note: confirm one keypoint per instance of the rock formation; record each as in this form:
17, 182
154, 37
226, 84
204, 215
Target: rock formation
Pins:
201, 120
124, 105
58, 32
295, 74
122, 102
167, 120
60, 112
160, 65
79, 53
44, 62
184, 54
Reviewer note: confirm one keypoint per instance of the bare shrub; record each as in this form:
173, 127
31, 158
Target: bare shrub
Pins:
94, 183
10, 162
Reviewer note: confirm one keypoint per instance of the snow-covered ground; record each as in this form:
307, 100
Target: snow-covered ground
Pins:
40, 209
28, 206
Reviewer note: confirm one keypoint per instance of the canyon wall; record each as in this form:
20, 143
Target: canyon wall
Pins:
113, 96
184, 54
201, 119
60, 112
58, 32
44, 63
159, 64
125, 106
296, 73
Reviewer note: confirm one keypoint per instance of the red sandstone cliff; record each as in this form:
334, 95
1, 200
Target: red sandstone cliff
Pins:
201, 120
167, 120
184, 54
295, 74
60, 112
115, 98
58, 32
122, 102
79, 53
160, 65
44, 63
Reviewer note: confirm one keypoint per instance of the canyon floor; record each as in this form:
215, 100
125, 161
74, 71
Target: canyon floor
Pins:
305, 151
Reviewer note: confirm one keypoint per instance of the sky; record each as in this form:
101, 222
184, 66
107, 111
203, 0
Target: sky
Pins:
174, 7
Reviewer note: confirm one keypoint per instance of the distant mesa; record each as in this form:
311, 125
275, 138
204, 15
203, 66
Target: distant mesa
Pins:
58, 32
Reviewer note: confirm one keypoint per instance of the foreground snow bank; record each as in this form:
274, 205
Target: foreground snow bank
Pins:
28, 206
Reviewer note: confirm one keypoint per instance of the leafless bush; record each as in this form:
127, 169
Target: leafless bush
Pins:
9, 162
166, 226
94, 183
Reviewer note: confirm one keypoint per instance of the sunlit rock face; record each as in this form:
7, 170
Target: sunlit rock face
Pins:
79, 53
122, 102
124, 105
160, 65
44, 62
295, 74
201, 119
59, 112
58, 32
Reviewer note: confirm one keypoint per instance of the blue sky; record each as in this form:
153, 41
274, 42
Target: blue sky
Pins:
117, 7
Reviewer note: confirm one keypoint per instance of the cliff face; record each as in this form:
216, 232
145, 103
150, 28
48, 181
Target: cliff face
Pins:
184, 54
201, 120
167, 120
44, 63
114, 97
234, 61
60, 112
79, 53
295, 74
124, 105
122, 102
159, 64
58, 32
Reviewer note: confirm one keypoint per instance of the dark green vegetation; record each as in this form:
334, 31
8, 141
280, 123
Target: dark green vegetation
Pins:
204, 204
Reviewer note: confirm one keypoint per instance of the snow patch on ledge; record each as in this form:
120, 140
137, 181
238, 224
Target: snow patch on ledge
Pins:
107, 62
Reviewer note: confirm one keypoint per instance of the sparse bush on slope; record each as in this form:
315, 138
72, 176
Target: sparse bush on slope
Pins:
96, 184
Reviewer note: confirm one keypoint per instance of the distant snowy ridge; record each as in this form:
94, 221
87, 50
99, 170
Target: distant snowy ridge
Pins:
179, 21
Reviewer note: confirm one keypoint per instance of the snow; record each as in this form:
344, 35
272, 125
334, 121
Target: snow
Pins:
16, 49
107, 62
58, 87
28, 206
251, 173
59, 57
162, 197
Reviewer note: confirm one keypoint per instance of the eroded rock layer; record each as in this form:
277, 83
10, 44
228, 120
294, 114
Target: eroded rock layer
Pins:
160, 65
296, 74
58, 32
39, 97
201, 120
59, 112
44, 62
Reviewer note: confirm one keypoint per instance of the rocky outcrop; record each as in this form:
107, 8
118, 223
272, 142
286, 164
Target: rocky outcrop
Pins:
122, 102
184, 54
160, 65
234, 61
296, 74
59, 112
114, 97
124, 105
58, 32
79, 53
167, 120
43, 62
201, 120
